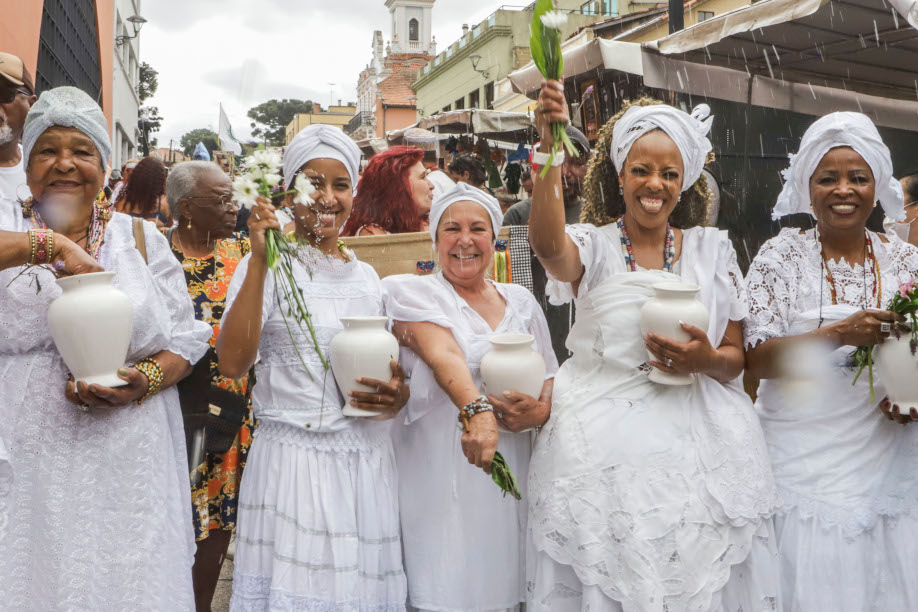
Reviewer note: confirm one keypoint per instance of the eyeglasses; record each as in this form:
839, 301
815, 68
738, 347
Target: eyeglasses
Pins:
8, 95
224, 200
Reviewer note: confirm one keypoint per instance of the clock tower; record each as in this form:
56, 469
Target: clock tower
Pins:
411, 26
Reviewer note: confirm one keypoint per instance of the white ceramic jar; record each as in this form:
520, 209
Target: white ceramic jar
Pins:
673, 302
512, 365
897, 368
363, 349
91, 324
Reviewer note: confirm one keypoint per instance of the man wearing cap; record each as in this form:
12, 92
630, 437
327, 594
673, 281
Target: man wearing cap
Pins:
17, 95
573, 171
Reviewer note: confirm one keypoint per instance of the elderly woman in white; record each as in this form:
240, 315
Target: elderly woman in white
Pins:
318, 509
463, 540
645, 496
848, 477
99, 504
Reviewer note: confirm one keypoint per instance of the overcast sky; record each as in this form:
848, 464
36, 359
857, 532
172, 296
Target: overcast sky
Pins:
242, 53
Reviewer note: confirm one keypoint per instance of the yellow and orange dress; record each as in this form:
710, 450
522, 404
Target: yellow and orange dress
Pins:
214, 497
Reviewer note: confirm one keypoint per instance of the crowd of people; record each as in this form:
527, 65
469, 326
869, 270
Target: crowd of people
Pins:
635, 495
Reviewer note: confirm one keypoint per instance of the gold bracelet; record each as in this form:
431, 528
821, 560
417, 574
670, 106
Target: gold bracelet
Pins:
150, 368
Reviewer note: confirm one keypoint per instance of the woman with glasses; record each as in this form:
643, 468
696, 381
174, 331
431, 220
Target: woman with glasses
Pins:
394, 195
216, 409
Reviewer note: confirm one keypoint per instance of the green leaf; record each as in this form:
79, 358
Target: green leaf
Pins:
503, 477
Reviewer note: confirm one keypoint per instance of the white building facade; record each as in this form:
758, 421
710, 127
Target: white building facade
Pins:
125, 101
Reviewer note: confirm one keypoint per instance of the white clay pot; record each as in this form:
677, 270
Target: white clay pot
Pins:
897, 368
512, 365
661, 314
363, 349
91, 324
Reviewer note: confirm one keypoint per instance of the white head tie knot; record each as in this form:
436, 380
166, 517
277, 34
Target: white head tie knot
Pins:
463, 192
689, 132
321, 142
842, 129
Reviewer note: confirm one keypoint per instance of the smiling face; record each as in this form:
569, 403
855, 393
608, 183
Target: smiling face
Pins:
652, 179
421, 188
465, 241
842, 190
320, 222
65, 167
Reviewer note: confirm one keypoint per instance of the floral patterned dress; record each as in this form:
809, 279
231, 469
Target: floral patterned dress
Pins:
214, 500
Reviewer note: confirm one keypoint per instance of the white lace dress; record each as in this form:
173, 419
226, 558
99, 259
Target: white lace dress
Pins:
848, 477
98, 509
463, 539
318, 508
645, 497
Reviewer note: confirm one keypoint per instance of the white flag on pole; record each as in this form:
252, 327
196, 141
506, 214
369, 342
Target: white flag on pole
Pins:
228, 142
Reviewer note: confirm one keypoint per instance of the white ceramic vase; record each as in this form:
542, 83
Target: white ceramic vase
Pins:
363, 349
897, 368
673, 302
512, 365
91, 324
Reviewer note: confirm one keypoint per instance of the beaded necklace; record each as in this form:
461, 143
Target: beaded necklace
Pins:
870, 260
95, 234
669, 248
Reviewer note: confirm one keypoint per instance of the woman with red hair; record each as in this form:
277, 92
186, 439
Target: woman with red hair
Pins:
394, 195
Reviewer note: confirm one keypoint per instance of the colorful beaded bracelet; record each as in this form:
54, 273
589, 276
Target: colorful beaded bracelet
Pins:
150, 368
477, 406
41, 243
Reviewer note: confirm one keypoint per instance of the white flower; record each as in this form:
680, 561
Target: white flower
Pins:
268, 161
273, 180
554, 20
304, 190
245, 190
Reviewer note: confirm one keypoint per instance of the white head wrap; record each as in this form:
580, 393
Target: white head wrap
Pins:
463, 192
67, 107
321, 142
689, 132
421, 138
835, 130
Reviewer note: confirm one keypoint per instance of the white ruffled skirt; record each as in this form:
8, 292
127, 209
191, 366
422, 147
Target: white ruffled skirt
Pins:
827, 566
318, 524
752, 586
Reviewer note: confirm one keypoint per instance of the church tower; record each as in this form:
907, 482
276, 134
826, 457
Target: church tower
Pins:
411, 26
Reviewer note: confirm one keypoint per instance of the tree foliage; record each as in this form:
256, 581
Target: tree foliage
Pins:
270, 119
148, 82
191, 139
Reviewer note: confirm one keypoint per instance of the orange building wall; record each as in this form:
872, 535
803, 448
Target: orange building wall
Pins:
395, 119
20, 29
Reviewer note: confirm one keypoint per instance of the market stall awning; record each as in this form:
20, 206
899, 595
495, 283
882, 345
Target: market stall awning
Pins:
590, 55
497, 125
807, 56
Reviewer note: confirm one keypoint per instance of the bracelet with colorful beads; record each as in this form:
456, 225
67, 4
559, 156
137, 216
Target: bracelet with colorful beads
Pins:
41, 243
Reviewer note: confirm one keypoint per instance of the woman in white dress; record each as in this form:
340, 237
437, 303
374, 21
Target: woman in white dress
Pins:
318, 509
646, 497
463, 539
99, 504
847, 529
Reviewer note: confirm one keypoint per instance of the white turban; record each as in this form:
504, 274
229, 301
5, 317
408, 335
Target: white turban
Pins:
67, 107
832, 131
463, 192
689, 132
321, 142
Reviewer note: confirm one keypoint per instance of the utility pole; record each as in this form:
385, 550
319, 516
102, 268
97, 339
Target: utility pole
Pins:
676, 16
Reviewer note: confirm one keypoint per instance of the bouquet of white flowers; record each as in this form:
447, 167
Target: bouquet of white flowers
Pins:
545, 46
261, 175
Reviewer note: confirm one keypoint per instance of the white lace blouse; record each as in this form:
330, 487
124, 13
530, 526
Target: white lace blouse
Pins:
284, 392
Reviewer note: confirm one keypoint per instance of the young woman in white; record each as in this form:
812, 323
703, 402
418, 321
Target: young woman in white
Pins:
847, 529
646, 497
463, 538
318, 509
